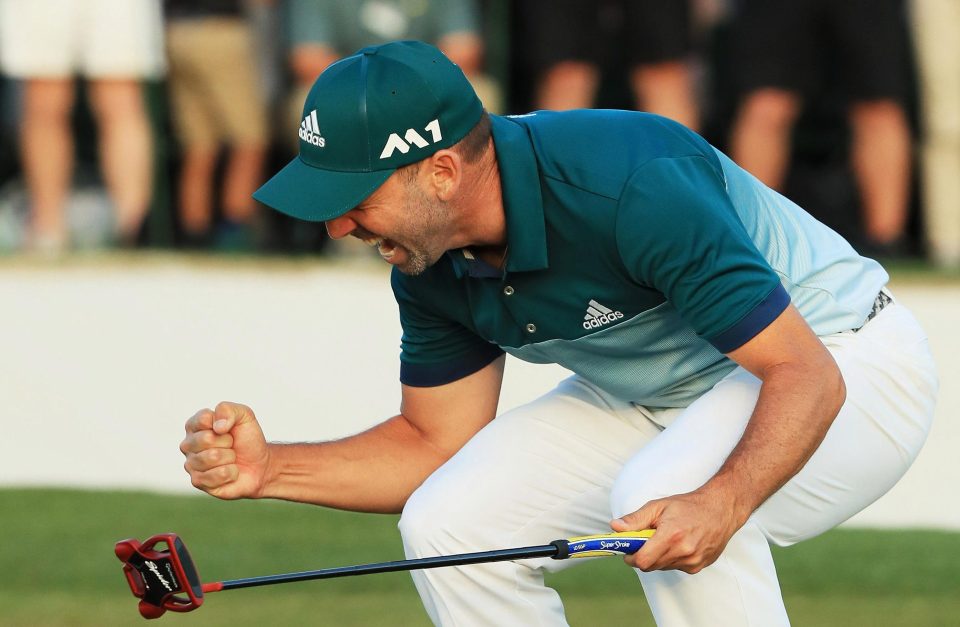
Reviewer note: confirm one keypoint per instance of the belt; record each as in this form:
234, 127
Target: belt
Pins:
882, 300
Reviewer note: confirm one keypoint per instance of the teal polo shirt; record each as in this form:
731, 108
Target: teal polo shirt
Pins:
637, 256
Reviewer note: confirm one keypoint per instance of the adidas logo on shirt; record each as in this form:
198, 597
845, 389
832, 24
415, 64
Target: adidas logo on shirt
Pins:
598, 315
310, 130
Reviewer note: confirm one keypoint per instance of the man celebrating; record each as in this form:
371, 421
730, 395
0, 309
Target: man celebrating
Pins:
742, 376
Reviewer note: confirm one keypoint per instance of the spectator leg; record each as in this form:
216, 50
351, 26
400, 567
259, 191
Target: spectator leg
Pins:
196, 190
47, 152
125, 151
881, 163
761, 134
666, 89
568, 85
244, 174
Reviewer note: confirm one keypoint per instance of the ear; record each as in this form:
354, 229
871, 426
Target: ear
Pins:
445, 173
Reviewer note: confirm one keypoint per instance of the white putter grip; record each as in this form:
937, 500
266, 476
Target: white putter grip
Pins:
619, 543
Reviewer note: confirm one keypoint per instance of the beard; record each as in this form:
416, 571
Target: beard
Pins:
416, 264
422, 236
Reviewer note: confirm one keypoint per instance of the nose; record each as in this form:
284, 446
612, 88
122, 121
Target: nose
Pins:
340, 227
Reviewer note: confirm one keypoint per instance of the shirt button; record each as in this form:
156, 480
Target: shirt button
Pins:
508, 290
531, 328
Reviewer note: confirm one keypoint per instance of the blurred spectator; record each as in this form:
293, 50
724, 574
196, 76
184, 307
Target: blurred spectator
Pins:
570, 41
114, 44
935, 24
322, 31
783, 47
217, 100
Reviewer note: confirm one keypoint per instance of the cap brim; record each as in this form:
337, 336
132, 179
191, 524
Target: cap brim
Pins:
310, 193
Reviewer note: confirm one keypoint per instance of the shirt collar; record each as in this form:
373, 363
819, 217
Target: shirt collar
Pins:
522, 203
475, 268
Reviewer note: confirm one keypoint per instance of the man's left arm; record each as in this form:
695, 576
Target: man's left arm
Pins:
801, 393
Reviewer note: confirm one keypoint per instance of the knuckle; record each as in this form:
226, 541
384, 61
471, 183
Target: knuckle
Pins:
211, 479
230, 408
235, 410
223, 473
191, 465
196, 462
691, 567
212, 456
643, 564
197, 419
686, 547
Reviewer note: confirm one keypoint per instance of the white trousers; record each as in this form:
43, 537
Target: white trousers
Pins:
569, 462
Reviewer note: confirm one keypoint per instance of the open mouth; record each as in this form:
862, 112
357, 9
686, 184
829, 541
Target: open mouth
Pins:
385, 247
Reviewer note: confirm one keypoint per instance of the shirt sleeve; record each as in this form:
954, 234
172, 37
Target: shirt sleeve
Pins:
436, 347
678, 232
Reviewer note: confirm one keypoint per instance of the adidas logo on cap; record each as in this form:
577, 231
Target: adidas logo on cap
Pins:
310, 130
598, 315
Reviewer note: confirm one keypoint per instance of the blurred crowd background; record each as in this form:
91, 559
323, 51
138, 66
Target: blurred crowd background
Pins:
149, 123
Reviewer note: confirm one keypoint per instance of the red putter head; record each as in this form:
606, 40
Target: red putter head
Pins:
162, 579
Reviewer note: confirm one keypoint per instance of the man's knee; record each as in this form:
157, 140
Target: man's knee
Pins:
434, 520
117, 100
418, 513
49, 100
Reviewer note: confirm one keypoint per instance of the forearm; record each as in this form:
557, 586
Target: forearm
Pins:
796, 406
373, 471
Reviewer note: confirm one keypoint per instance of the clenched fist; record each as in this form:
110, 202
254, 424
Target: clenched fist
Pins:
227, 455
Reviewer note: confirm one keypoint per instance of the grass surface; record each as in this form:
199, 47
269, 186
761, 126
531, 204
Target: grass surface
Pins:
57, 567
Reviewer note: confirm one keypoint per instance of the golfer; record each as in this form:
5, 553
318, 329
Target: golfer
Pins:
741, 375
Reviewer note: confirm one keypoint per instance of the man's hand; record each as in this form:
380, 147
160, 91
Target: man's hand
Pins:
227, 455
692, 531
801, 393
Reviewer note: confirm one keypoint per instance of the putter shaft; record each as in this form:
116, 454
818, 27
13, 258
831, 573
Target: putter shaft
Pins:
500, 555
623, 543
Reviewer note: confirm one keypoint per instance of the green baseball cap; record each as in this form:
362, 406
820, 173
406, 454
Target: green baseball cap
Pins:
368, 114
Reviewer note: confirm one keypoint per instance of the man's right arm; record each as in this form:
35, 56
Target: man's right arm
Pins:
373, 471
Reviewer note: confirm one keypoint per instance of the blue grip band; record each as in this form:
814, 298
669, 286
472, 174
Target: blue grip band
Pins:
611, 546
